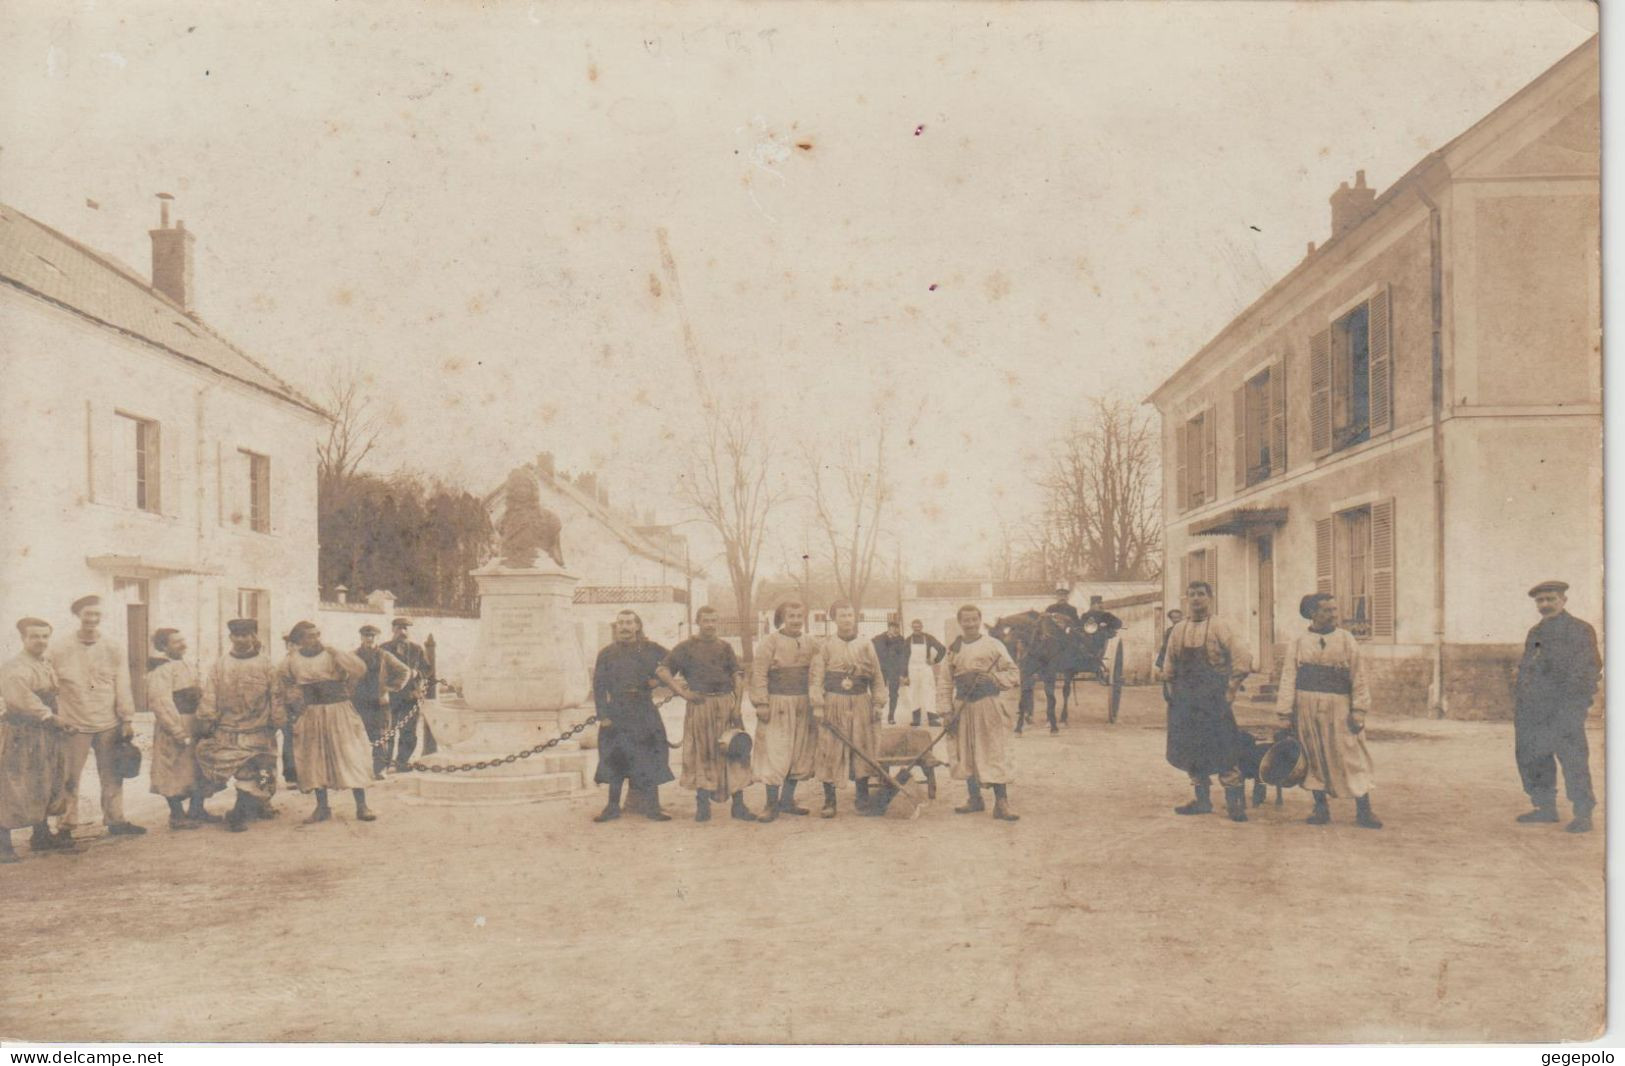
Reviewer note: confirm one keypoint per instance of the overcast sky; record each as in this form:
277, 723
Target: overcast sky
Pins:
968, 216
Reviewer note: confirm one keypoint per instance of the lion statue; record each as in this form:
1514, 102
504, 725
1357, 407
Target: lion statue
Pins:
528, 528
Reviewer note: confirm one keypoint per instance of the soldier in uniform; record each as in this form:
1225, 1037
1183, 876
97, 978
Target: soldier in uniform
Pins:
173, 695
891, 647
632, 744
785, 744
1557, 680
1205, 666
978, 669
330, 743
704, 671
843, 687
33, 756
239, 717
403, 704
385, 676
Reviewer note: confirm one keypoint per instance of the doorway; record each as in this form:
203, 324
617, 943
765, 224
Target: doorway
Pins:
1264, 548
135, 593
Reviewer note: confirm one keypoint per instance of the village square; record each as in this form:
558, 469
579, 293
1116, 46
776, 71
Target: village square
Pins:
706, 686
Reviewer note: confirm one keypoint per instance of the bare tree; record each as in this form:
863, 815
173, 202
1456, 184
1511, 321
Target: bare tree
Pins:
851, 491
1101, 517
354, 430
730, 482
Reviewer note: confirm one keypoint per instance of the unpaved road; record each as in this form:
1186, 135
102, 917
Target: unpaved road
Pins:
1100, 917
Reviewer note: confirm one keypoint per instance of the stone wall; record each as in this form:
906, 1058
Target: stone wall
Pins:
1400, 685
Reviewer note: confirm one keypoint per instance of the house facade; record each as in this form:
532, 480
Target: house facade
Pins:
1412, 418
144, 457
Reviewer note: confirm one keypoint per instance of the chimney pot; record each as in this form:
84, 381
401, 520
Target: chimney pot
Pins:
172, 257
1351, 206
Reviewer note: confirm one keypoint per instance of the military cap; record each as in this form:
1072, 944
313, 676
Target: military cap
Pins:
1559, 587
369, 630
25, 624
242, 627
399, 622
85, 601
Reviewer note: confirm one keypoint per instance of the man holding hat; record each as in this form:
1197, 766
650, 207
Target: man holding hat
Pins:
173, 695
705, 671
96, 706
239, 716
1557, 681
1325, 691
33, 764
386, 675
403, 702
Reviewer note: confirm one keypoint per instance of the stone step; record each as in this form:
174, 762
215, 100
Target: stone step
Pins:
482, 788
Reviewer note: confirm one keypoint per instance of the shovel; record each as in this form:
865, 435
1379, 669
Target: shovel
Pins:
893, 788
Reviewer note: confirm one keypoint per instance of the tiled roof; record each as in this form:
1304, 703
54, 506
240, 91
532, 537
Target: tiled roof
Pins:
44, 263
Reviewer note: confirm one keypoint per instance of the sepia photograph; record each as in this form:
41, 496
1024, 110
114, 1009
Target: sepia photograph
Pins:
801, 523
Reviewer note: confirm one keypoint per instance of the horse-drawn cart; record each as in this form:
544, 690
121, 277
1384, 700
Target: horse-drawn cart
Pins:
1050, 647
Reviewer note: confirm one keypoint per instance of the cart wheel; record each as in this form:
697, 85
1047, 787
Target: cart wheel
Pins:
1117, 685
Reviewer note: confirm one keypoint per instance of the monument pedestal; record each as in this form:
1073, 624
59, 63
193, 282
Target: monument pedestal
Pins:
526, 683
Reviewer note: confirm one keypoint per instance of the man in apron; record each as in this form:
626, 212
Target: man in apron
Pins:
924, 653
1204, 668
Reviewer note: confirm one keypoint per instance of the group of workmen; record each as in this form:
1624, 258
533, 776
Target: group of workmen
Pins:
819, 705
344, 719
1324, 697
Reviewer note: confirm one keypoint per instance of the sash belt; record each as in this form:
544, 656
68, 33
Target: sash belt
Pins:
319, 692
1318, 677
833, 683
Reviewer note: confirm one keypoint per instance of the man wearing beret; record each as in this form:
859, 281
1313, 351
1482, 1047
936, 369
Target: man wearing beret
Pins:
403, 703
1557, 680
96, 707
385, 676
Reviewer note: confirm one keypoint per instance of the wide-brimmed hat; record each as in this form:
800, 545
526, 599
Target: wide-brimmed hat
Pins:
735, 745
126, 761
1285, 765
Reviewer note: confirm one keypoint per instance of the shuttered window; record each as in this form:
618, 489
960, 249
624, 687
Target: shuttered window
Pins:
1201, 565
1351, 370
1354, 561
1197, 476
1260, 427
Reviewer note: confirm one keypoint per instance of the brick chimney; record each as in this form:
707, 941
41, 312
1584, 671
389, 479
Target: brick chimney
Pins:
172, 257
1351, 206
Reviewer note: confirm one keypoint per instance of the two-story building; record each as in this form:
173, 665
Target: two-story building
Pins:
1411, 419
143, 456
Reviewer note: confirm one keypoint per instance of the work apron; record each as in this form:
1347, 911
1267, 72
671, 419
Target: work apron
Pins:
1201, 724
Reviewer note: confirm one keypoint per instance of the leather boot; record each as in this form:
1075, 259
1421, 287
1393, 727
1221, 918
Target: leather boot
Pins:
177, 815
1235, 803
771, 814
237, 816
1322, 813
651, 806
829, 802
1001, 806
1260, 793
1545, 811
740, 812
1366, 820
916, 718
973, 802
1581, 823
702, 807
197, 812
1201, 804
787, 799
8, 854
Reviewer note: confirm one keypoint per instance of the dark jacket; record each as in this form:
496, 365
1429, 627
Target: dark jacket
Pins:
893, 653
1559, 668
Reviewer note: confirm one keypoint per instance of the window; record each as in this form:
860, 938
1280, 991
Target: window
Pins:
1196, 482
259, 491
139, 481
255, 604
1260, 426
1354, 552
1201, 565
1351, 371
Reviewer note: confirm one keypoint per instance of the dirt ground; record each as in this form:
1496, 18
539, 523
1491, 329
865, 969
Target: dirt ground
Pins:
1099, 917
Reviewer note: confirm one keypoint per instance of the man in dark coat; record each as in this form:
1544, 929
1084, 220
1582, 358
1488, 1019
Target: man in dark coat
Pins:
632, 743
892, 649
1204, 669
385, 676
1557, 680
404, 703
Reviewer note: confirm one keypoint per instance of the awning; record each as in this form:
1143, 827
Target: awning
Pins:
1239, 521
144, 566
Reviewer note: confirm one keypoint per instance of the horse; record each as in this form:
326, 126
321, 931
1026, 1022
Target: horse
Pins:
1045, 649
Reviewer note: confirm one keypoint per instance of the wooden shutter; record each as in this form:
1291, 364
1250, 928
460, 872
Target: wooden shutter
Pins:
1382, 569
1210, 574
1210, 454
1241, 437
1320, 393
1278, 417
1380, 333
1323, 555
1182, 497
1184, 579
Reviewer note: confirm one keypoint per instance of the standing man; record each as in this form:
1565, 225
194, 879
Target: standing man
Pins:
33, 762
704, 671
785, 745
1325, 693
891, 648
173, 695
924, 653
403, 704
979, 668
239, 716
632, 743
96, 707
844, 688
385, 676
1175, 616
1557, 681
1205, 667
329, 742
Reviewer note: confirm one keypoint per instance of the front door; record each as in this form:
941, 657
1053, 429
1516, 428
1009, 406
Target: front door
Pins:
135, 594
1265, 548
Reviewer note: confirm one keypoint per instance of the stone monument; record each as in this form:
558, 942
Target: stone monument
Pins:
527, 680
